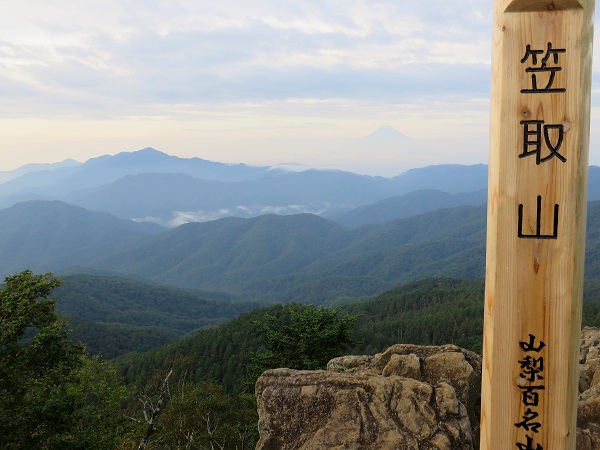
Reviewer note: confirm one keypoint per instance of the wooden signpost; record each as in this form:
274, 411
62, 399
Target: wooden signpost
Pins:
541, 77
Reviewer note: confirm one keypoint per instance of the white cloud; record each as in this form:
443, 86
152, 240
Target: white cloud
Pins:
161, 51
205, 76
183, 217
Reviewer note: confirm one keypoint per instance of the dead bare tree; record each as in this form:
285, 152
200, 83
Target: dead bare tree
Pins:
152, 411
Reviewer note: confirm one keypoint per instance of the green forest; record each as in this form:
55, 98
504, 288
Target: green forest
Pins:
196, 392
115, 315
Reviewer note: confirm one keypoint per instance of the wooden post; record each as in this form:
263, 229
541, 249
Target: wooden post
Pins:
541, 77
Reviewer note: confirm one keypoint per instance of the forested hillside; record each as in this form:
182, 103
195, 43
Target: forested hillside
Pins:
211, 371
114, 315
427, 312
267, 259
46, 236
309, 259
407, 205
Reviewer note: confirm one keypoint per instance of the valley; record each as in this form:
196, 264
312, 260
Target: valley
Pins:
124, 277
169, 265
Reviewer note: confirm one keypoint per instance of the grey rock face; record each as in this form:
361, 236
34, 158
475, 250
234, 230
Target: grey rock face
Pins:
408, 397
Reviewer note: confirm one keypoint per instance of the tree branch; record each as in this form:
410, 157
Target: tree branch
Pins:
162, 400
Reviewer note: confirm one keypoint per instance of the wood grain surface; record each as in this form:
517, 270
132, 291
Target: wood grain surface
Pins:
540, 104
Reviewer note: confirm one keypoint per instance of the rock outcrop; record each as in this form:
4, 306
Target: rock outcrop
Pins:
408, 397
588, 409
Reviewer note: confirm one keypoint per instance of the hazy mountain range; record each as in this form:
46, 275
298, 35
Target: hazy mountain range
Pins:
236, 234
269, 258
149, 185
424, 222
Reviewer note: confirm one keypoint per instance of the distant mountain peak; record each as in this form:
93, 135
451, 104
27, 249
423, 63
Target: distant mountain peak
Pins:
147, 153
386, 133
149, 150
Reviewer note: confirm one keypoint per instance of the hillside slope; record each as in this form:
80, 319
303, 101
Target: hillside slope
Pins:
269, 258
214, 255
411, 204
428, 312
44, 236
307, 258
114, 315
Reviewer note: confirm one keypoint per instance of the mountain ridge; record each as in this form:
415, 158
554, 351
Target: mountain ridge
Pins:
41, 235
410, 204
266, 258
194, 189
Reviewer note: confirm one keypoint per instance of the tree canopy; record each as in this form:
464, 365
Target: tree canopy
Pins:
51, 394
308, 339
36, 359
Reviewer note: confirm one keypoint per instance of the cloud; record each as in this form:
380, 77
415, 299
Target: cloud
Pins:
182, 217
193, 76
160, 52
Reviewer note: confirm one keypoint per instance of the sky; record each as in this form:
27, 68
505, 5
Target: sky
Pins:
261, 82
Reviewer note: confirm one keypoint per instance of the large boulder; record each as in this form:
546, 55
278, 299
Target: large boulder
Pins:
310, 410
408, 397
